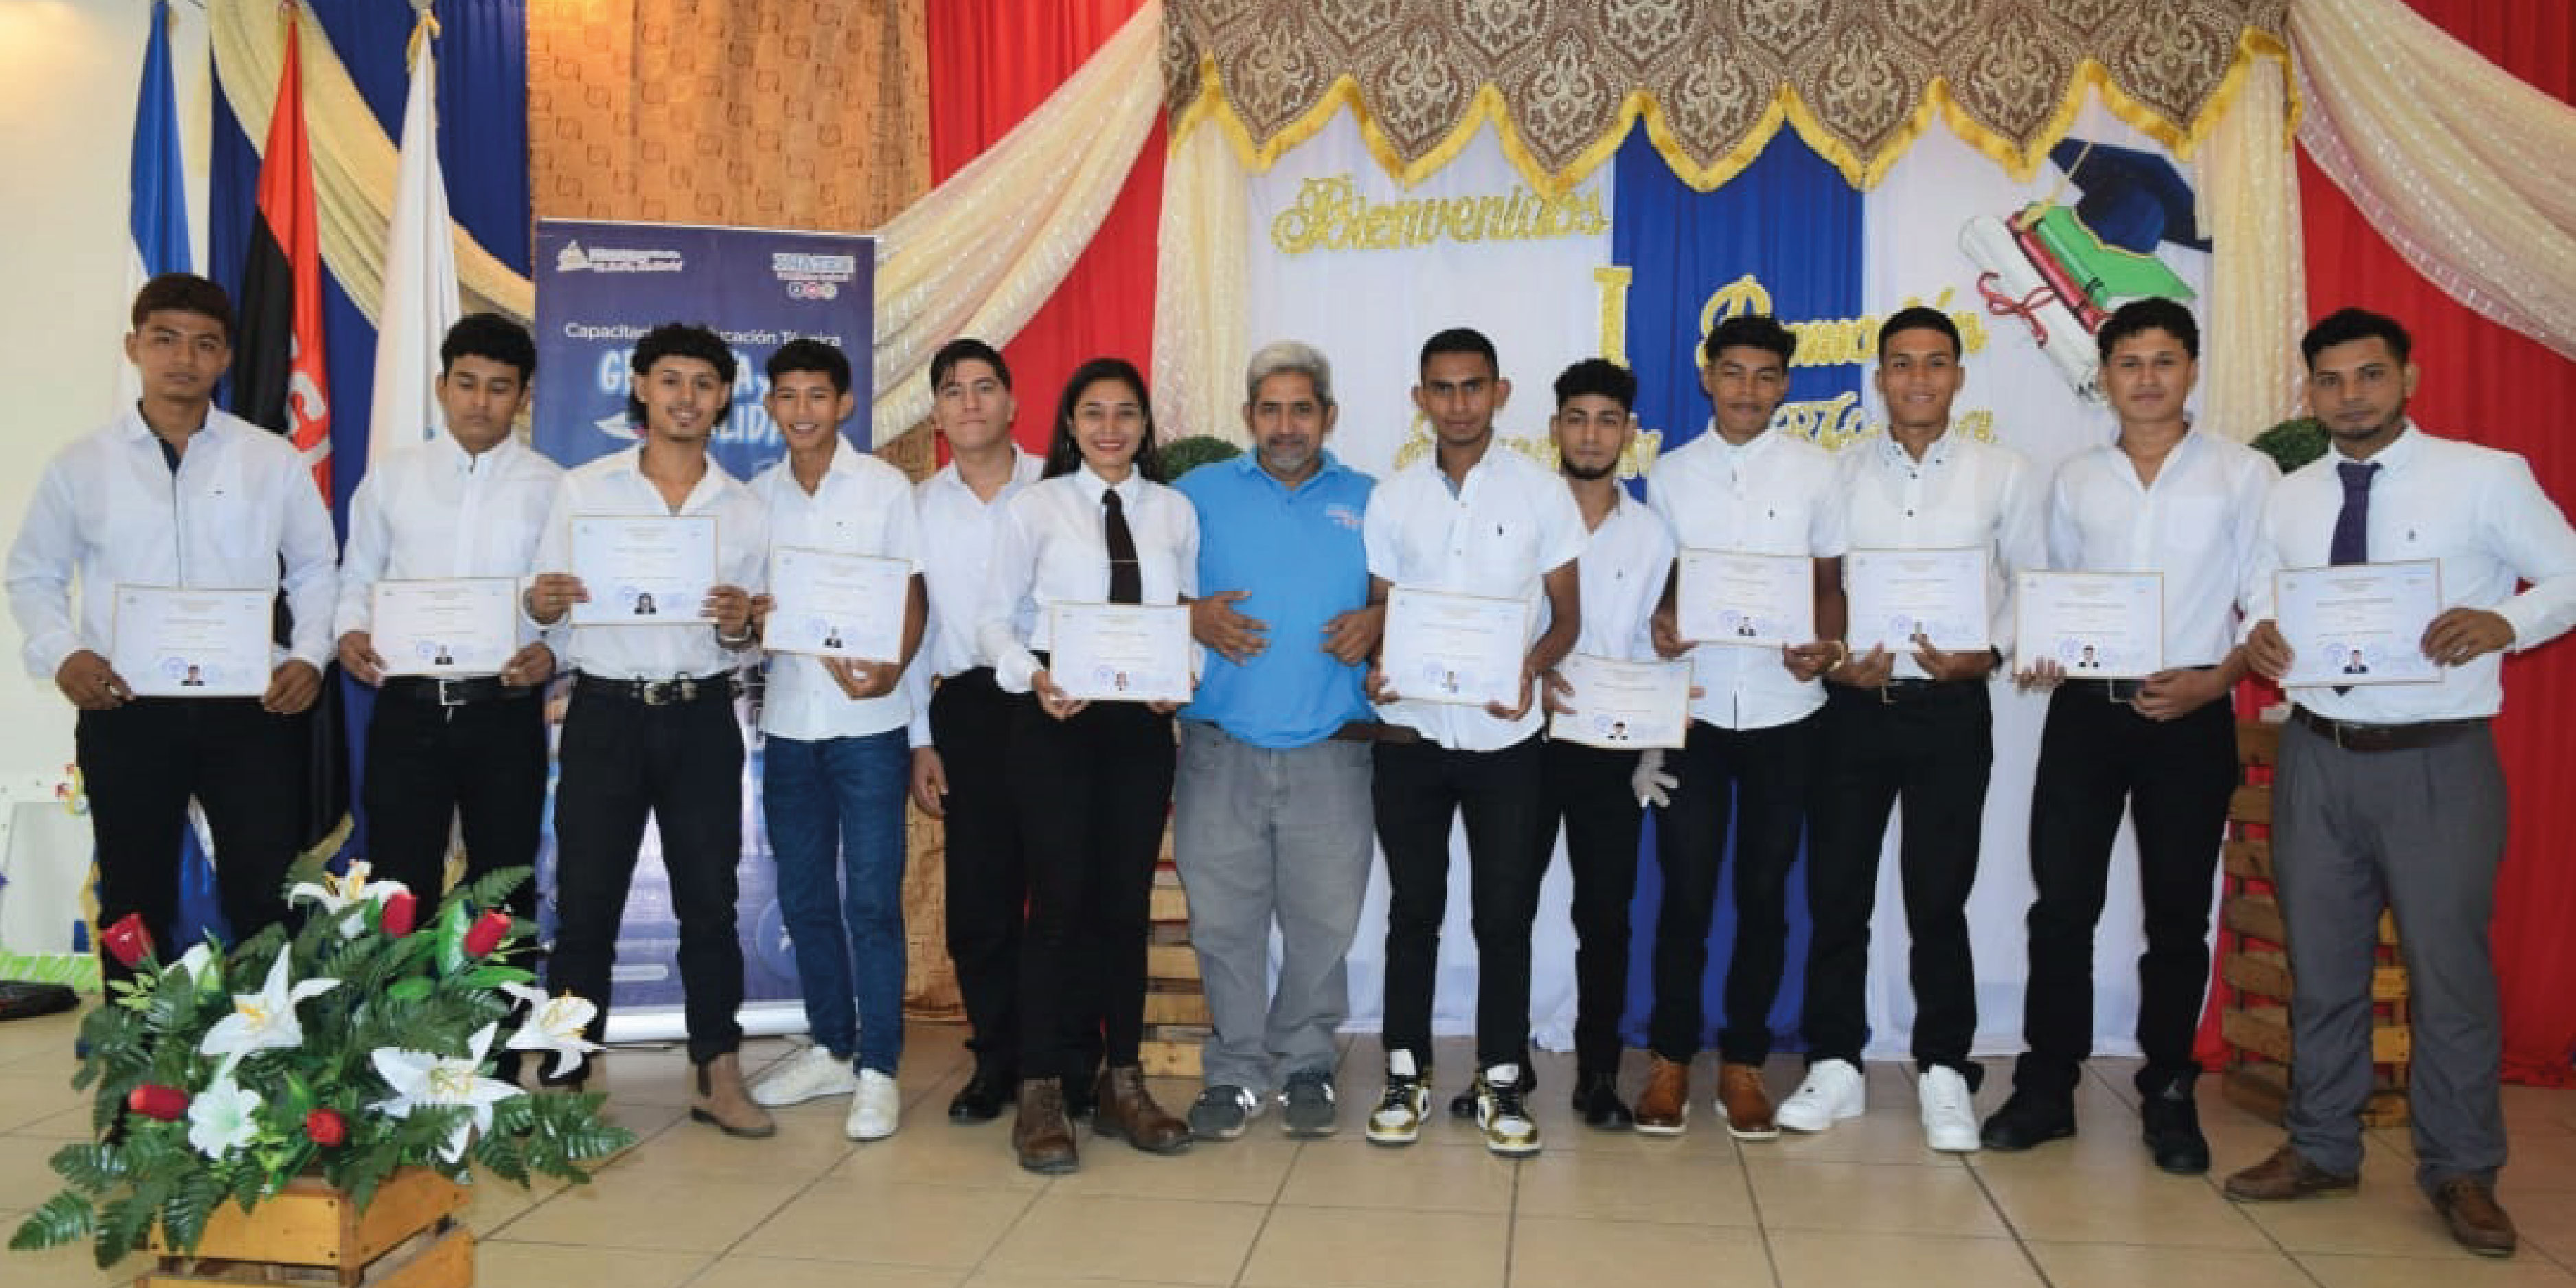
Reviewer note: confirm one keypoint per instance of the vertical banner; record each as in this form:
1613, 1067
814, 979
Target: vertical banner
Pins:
600, 287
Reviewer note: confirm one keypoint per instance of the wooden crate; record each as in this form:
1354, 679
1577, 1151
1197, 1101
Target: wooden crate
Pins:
1176, 1014
310, 1233
2254, 967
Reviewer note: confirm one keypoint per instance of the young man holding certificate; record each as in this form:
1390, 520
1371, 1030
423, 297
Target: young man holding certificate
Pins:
441, 536
2389, 793
1760, 518
175, 519
842, 619
651, 730
1270, 814
1938, 522
2179, 514
1474, 551
1591, 758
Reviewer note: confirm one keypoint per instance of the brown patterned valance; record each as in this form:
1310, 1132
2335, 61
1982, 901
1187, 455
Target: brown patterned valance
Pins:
1712, 78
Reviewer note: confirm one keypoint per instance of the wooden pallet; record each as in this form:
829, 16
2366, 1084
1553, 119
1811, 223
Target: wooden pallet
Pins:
309, 1233
1176, 1014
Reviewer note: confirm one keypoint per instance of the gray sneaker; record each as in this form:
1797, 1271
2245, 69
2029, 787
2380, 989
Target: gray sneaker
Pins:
1306, 1107
1221, 1111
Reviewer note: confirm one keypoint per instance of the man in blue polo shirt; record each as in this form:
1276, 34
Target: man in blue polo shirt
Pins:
1271, 816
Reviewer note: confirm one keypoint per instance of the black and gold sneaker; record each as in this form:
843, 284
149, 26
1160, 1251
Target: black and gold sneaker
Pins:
1502, 1112
1397, 1120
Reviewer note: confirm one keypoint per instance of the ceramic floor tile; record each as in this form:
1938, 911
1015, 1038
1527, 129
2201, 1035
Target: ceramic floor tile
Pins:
1305, 1247
2133, 1205
743, 1271
2457, 1270
1863, 1259
905, 1224
2386, 1218
642, 1212
1109, 1237
1355, 1173
1873, 1197
941, 1153
25, 1179
1548, 1252
1647, 1182
2113, 1265
1248, 1170
504, 1262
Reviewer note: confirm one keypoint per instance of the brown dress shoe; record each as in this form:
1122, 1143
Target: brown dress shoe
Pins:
2469, 1207
1746, 1103
724, 1101
2286, 1175
1128, 1113
1664, 1106
1041, 1135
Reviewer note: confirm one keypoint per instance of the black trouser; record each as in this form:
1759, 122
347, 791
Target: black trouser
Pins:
681, 764
1589, 789
2175, 778
1415, 789
1093, 794
141, 762
987, 889
1931, 746
1761, 777
483, 763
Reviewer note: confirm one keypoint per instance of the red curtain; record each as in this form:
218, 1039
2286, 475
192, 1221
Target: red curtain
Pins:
2487, 384
991, 61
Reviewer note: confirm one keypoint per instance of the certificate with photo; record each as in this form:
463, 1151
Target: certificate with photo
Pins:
2358, 623
1459, 649
447, 626
2094, 625
652, 571
175, 643
1762, 601
1120, 652
836, 605
1895, 595
1623, 705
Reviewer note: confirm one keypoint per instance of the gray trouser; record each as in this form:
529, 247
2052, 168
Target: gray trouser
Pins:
1262, 835
2421, 831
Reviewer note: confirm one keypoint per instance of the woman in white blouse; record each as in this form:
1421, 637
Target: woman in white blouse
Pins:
1092, 781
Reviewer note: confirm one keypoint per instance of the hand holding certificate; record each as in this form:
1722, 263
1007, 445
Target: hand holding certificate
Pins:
1458, 649
2093, 625
1621, 705
643, 571
450, 627
1120, 652
2359, 623
837, 605
1764, 601
1897, 595
192, 643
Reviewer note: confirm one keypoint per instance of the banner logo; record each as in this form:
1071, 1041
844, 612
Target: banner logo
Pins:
574, 259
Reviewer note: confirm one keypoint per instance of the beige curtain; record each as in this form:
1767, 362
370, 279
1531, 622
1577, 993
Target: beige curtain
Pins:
2257, 303
1200, 341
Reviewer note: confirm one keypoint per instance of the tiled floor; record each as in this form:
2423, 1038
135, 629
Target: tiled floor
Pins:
940, 1206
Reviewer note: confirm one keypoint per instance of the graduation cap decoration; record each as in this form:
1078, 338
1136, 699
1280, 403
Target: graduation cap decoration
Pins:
2132, 199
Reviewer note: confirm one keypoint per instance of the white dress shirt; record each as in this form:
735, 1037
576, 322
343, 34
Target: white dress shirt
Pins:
1963, 494
2476, 510
1508, 525
1051, 547
615, 486
2198, 525
956, 565
1775, 495
110, 512
1623, 570
862, 506
434, 511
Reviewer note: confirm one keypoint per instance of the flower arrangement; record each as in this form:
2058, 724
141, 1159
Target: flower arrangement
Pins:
354, 1046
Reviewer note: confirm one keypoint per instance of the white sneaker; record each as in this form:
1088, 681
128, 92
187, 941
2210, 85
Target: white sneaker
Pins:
1833, 1090
1949, 1111
810, 1074
874, 1107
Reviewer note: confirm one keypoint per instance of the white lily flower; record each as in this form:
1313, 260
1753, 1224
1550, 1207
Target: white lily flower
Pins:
420, 1080
554, 1024
349, 897
223, 1118
264, 1020
197, 960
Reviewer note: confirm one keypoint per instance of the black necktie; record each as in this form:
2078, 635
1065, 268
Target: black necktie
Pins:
2351, 544
1126, 582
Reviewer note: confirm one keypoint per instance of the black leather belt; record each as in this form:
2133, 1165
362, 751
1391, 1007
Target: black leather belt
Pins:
1903, 692
434, 691
2120, 691
2383, 737
658, 693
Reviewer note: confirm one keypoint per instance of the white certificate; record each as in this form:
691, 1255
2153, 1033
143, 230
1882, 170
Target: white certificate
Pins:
2359, 623
1623, 704
643, 571
192, 643
1460, 649
1120, 652
455, 626
2094, 625
1758, 600
836, 605
1896, 595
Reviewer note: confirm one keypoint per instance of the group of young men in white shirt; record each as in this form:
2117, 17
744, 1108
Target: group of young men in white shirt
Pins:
1810, 740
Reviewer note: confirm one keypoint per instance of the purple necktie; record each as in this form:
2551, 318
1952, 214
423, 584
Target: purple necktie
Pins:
2352, 525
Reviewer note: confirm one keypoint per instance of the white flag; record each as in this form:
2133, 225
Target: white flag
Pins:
420, 300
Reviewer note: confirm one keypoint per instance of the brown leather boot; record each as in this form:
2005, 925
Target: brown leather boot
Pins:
1745, 1102
724, 1102
1129, 1113
2469, 1207
2286, 1175
1041, 1135
1663, 1108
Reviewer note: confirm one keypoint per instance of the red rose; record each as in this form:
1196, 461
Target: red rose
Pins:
127, 941
167, 1104
401, 912
486, 933
326, 1126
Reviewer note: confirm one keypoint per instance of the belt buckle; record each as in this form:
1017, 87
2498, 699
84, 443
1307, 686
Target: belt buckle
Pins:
444, 699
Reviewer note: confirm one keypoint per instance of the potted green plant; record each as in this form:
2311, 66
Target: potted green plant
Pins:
1182, 455
2292, 443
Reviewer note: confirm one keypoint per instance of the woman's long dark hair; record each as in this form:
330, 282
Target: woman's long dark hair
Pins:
1064, 456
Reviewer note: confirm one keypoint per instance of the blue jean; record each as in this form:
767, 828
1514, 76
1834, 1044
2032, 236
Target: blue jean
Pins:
845, 920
